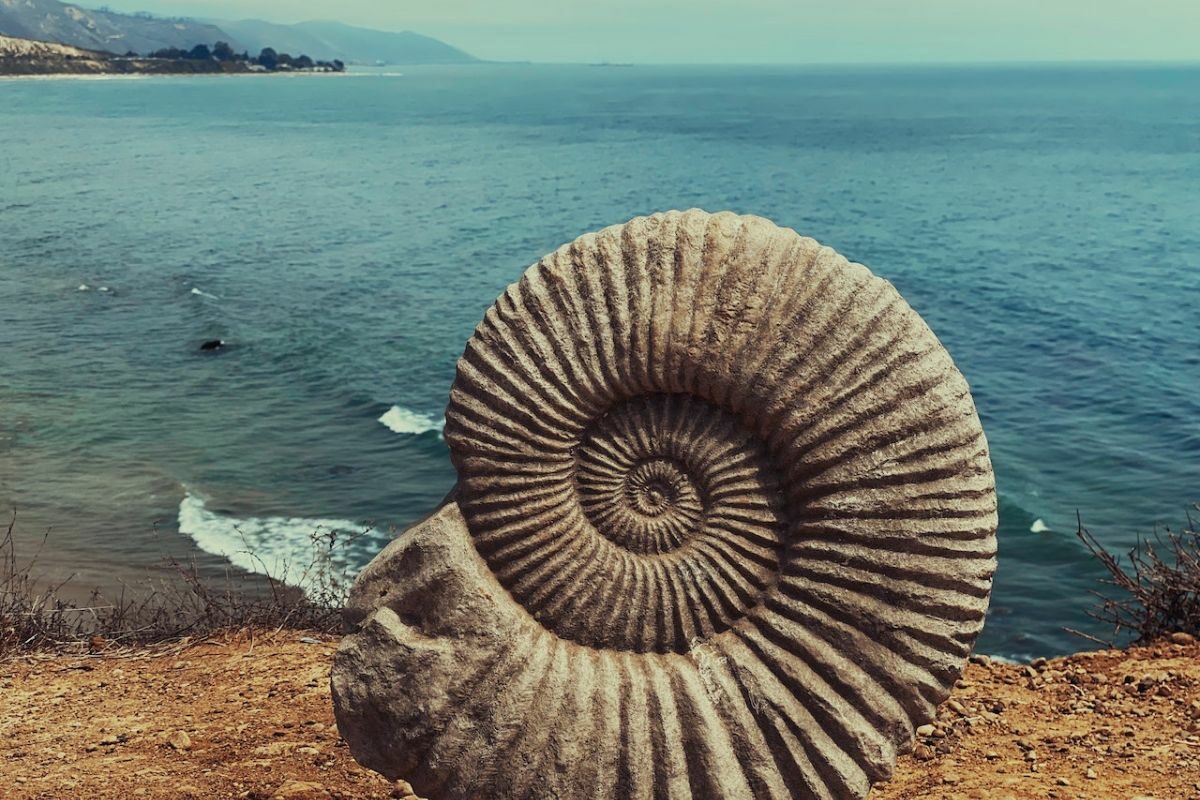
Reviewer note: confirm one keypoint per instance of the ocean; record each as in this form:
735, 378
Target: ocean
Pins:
343, 236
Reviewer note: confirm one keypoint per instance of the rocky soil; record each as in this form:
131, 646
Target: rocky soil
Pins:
248, 716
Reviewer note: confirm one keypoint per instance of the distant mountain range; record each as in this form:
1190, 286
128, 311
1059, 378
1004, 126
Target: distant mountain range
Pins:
330, 40
54, 21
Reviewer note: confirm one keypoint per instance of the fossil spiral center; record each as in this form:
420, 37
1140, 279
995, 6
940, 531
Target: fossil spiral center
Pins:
658, 489
652, 471
661, 525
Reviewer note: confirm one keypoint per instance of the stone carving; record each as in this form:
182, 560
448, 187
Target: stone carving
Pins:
724, 528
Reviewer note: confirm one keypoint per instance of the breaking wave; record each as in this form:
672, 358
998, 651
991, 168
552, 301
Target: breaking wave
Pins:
282, 547
403, 420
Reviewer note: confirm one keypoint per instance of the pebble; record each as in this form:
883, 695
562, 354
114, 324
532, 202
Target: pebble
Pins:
1179, 637
179, 740
301, 790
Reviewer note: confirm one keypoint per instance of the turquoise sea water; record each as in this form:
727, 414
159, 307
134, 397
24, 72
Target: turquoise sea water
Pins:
344, 235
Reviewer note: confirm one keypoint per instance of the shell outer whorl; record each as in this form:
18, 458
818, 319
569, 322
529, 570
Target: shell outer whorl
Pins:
652, 413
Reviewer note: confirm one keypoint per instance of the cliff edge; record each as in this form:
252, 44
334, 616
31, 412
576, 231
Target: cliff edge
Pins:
249, 716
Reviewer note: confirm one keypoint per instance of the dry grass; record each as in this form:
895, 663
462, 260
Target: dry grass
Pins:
35, 616
1157, 593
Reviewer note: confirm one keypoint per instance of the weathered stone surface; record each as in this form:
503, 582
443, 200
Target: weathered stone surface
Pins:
725, 528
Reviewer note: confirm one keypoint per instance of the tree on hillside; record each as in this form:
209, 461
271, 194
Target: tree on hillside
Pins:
200, 53
303, 62
268, 58
223, 52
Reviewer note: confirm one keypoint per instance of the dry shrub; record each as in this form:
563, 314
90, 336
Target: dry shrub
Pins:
34, 616
1158, 593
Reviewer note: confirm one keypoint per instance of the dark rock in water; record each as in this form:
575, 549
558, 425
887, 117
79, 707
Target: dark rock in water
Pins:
212, 344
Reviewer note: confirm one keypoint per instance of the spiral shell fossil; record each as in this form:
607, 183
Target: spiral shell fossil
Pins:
724, 528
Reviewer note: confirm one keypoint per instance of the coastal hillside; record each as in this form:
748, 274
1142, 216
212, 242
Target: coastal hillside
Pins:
53, 21
249, 716
12, 47
31, 57
330, 40
109, 31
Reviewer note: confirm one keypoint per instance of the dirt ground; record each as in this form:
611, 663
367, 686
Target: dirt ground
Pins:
248, 716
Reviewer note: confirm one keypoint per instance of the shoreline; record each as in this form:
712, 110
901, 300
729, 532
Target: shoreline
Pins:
135, 76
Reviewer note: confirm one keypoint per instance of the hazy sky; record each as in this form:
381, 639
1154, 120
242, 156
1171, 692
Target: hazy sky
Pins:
753, 31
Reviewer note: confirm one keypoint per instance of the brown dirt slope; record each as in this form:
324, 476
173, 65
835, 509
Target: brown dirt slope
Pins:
249, 716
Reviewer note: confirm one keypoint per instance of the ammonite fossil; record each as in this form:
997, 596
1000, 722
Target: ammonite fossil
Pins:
724, 528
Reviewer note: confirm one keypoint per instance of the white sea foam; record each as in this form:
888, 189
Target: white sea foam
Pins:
404, 420
1039, 526
282, 547
83, 287
200, 293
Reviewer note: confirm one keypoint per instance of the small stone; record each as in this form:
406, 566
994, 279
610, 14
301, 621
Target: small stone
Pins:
1090, 774
402, 790
179, 740
925, 731
301, 790
1062, 781
924, 752
1179, 637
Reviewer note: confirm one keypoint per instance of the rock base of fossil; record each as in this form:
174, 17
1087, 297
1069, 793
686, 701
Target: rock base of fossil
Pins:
444, 664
